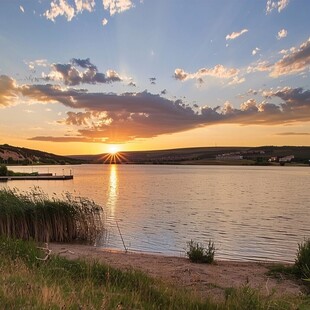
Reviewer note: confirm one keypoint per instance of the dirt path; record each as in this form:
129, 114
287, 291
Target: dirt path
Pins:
205, 280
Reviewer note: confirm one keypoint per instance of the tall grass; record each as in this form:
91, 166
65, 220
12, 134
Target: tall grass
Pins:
32, 215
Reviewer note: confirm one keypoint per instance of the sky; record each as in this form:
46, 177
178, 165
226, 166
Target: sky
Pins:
80, 76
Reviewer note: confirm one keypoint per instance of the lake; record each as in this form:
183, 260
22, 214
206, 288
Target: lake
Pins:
251, 213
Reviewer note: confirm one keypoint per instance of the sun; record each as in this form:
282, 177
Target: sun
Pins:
114, 155
113, 149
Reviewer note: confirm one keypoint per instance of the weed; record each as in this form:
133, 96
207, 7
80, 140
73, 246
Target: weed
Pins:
197, 253
302, 261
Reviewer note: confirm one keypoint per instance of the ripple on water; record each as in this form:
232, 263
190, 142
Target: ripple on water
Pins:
251, 213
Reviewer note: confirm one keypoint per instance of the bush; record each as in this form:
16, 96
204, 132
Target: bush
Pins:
3, 170
197, 253
302, 261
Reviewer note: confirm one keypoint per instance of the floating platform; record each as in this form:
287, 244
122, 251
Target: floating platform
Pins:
37, 177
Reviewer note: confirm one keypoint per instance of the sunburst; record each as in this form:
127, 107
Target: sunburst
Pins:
114, 156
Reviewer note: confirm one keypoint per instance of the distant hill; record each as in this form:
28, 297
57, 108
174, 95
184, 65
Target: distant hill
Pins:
23, 156
191, 156
206, 155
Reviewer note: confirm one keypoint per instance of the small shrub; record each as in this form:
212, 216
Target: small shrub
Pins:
3, 170
302, 261
197, 253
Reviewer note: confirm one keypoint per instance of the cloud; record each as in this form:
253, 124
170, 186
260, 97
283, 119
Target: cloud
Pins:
63, 8
83, 63
293, 134
36, 63
218, 71
8, 92
82, 5
119, 118
132, 84
112, 118
235, 35
254, 52
278, 5
65, 139
152, 80
117, 6
236, 80
70, 74
22, 8
104, 22
282, 34
297, 60
294, 60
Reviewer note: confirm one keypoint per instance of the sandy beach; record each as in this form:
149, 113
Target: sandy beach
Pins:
201, 279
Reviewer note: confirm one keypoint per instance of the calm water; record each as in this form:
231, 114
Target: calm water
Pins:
250, 212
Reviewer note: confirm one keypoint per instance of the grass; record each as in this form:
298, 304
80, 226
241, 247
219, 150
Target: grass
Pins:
58, 283
246, 298
197, 253
32, 215
300, 270
302, 262
64, 284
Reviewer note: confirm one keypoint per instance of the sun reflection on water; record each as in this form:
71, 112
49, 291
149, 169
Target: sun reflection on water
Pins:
112, 191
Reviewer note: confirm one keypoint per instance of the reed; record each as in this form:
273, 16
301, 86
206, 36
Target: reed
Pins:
33, 215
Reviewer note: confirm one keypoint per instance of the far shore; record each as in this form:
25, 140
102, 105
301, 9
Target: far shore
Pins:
208, 162
201, 279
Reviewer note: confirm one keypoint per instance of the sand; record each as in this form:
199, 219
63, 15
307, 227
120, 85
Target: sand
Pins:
201, 279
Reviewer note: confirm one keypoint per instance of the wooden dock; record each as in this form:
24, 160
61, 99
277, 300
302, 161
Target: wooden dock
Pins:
37, 178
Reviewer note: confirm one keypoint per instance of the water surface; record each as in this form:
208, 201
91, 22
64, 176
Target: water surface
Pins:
252, 213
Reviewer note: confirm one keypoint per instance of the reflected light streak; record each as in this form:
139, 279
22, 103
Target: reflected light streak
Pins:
113, 190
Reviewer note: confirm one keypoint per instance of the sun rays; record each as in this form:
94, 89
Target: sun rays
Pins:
114, 156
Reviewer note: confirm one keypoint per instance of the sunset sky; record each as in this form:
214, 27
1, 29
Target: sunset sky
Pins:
79, 75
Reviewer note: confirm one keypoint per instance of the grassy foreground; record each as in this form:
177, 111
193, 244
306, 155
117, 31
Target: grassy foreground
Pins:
58, 283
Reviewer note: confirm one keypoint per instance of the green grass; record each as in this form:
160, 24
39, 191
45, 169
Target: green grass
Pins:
32, 215
197, 253
302, 262
245, 298
300, 270
278, 270
71, 284
59, 283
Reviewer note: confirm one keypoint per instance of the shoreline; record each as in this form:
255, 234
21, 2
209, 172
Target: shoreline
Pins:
200, 279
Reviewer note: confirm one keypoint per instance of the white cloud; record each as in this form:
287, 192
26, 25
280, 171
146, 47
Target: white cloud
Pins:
294, 61
236, 80
63, 8
254, 52
117, 6
218, 71
82, 5
235, 35
60, 7
37, 63
297, 60
282, 34
259, 67
278, 5
22, 9
104, 22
